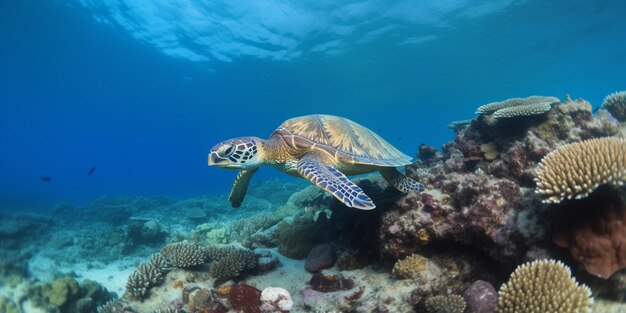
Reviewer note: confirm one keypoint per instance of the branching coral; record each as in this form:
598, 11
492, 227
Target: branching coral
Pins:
615, 103
142, 279
113, 306
575, 170
445, 304
543, 286
182, 254
230, 261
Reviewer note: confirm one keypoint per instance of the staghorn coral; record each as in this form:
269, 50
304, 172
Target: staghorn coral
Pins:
229, 261
183, 254
494, 107
445, 304
543, 286
615, 103
142, 279
575, 170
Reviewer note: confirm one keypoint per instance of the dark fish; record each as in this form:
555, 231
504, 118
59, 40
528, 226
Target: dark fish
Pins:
380, 129
46, 178
93, 168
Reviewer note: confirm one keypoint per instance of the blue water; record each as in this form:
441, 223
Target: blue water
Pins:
143, 90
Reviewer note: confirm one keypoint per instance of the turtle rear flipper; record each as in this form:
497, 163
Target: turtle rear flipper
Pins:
400, 181
240, 186
330, 179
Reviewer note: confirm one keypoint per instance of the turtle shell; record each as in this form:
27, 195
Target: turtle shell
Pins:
343, 139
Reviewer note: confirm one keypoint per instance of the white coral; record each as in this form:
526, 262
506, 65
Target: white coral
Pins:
277, 297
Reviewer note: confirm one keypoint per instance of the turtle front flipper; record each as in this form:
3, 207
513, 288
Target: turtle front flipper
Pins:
400, 181
240, 186
330, 179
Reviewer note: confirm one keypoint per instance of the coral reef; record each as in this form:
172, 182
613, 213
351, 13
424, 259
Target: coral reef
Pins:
543, 286
445, 304
184, 254
615, 103
575, 170
320, 257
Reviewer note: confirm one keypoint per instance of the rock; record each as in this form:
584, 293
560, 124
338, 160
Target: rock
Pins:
481, 297
320, 257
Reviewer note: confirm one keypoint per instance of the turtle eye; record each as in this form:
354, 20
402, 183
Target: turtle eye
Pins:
227, 152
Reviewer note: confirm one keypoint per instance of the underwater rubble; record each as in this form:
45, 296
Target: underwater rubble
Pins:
528, 196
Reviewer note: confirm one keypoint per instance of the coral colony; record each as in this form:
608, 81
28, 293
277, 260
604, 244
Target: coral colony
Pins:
524, 211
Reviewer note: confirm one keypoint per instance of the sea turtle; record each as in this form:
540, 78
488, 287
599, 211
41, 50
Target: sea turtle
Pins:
320, 148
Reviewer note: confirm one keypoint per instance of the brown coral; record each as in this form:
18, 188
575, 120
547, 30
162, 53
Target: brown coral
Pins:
615, 103
543, 286
594, 230
183, 254
575, 170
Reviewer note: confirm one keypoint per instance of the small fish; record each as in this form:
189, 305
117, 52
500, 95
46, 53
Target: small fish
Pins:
46, 178
93, 168
380, 129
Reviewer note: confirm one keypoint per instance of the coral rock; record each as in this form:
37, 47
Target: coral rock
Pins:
330, 283
320, 257
426, 152
203, 301
481, 297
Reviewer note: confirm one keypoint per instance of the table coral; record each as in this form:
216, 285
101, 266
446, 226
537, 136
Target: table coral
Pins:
615, 103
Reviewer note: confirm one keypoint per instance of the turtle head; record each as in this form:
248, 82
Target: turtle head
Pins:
237, 153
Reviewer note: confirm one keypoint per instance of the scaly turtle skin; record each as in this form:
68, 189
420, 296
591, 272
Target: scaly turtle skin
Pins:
320, 148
